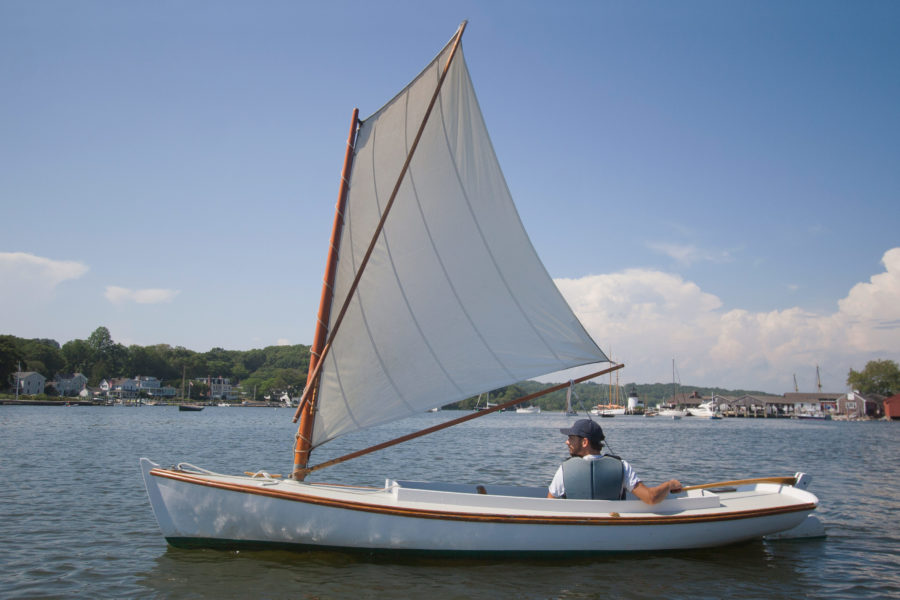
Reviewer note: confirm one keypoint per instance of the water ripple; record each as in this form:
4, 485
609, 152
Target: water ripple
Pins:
77, 524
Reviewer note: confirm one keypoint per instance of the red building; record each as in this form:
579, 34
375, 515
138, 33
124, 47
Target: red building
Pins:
892, 407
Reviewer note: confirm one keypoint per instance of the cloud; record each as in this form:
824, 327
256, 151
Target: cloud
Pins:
30, 275
688, 254
871, 311
120, 295
647, 318
283, 342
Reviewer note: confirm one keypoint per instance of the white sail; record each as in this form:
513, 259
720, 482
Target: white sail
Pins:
454, 300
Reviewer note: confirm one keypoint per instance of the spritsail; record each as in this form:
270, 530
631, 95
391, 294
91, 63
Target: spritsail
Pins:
454, 300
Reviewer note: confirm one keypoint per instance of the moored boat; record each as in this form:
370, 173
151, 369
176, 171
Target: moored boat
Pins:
673, 413
706, 410
607, 410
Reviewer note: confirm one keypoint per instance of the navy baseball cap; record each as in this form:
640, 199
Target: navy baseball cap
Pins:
587, 429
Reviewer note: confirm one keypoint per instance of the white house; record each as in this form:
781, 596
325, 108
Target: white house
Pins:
29, 382
119, 388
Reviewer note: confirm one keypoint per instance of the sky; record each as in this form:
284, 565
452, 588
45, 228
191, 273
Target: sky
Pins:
711, 183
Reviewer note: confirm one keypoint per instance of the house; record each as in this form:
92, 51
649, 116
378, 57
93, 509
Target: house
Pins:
687, 401
758, 405
70, 384
723, 404
152, 386
813, 403
892, 408
121, 388
220, 389
854, 405
29, 382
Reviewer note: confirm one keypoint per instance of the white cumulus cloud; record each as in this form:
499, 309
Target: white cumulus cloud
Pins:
871, 311
646, 318
121, 295
29, 274
688, 254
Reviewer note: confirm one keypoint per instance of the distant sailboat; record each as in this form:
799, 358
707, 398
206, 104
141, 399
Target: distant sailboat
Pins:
570, 412
671, 410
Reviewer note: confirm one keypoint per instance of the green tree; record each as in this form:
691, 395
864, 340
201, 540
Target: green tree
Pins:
10, 356
101, 341
42, 356
879, 377
77, 356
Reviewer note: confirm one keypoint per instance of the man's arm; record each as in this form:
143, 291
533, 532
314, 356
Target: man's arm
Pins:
655, 495
557, 489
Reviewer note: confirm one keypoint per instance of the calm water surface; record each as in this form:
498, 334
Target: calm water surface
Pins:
75, 521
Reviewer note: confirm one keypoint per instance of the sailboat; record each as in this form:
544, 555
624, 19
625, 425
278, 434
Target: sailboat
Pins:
672, 409
487, 403
570, 412
438, 295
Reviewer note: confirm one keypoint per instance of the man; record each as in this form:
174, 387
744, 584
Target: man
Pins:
590, 475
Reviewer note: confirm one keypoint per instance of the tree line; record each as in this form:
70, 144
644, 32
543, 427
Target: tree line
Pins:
273, 369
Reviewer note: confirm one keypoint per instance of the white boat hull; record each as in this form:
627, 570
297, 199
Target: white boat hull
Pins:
701, 412
598, 412
209, 510
670, 412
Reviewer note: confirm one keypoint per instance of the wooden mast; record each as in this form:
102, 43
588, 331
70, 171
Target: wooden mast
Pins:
306, 409
302, 444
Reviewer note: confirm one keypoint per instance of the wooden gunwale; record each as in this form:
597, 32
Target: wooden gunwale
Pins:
780, 480
480, 517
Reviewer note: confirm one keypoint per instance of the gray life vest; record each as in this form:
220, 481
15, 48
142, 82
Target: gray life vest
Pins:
599, 479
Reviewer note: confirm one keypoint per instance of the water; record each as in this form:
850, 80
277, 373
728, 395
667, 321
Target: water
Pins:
75, 521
